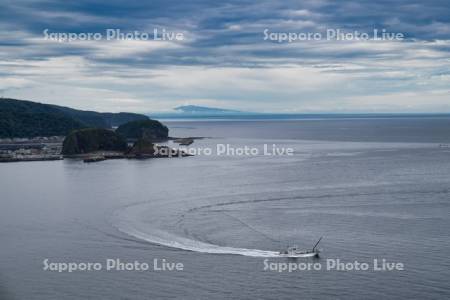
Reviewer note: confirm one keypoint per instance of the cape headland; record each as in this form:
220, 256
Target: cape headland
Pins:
34, 131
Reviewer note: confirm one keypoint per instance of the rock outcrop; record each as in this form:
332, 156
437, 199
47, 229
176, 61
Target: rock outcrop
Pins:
145, 129
90, 140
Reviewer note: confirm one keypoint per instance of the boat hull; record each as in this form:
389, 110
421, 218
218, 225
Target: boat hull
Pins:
300, 255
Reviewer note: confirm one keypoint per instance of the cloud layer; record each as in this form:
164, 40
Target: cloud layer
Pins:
224, 60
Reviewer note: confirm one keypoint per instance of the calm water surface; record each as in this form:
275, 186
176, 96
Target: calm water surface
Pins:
375, 188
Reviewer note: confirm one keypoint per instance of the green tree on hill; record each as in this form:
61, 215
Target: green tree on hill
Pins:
144, 129
91, 140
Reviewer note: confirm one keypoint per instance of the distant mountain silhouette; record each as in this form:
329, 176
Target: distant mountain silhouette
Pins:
204, 109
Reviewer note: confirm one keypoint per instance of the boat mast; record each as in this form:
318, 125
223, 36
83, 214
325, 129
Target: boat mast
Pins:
317, 244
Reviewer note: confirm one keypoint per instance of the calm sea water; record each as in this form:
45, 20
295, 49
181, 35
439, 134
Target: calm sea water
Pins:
374, 188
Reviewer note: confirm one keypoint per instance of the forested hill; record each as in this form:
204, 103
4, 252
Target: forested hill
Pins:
101, 120
19, 118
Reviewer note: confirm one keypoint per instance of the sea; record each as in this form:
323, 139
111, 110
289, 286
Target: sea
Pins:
211, 225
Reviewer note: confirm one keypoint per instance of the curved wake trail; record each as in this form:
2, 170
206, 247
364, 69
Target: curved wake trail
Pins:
131, 226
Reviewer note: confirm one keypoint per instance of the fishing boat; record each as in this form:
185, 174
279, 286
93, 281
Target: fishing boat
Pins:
294, 251
290, 251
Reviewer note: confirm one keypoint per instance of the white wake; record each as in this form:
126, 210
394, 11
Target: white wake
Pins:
132, 226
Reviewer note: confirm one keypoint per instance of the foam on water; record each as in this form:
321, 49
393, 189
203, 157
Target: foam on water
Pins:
127, 221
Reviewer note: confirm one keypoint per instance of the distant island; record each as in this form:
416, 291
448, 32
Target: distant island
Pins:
194, 109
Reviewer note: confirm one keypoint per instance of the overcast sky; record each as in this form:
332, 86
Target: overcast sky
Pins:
224, 60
